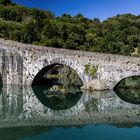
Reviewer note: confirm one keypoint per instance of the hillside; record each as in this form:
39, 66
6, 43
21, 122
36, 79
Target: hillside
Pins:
117, 35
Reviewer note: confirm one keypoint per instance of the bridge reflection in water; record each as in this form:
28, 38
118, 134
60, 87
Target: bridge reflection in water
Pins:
20, 106
23, 112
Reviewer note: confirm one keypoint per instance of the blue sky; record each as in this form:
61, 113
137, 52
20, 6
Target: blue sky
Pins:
101, 9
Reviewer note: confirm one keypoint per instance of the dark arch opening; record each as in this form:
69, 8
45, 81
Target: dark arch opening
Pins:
57, 86
128, 89
41, 78
49, 75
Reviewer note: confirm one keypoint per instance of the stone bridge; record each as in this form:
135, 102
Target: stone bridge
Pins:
20, 63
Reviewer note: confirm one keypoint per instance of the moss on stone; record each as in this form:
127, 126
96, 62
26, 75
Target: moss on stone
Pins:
91, 70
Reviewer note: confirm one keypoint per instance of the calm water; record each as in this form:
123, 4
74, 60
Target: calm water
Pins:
34, 114
87, 132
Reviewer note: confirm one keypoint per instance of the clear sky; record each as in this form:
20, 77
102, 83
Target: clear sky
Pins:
101, 9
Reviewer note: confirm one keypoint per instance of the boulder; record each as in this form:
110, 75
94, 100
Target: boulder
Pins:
95, 84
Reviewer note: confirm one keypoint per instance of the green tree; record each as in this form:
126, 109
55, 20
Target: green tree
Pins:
5, 2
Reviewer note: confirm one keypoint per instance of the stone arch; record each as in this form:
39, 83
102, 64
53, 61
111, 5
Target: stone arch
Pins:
126, 78
122, 77
44, 64
71, 64
41, 73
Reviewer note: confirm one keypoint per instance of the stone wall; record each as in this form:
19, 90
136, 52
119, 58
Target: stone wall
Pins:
20, 63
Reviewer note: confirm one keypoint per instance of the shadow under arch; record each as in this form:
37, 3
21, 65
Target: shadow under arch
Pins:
128, 89
57, 99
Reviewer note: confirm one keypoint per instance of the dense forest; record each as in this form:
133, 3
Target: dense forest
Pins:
118, 35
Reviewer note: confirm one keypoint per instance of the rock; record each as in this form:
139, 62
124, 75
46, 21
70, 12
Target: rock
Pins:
95, 84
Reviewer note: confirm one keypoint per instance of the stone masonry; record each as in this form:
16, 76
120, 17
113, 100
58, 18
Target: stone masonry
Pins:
20, 63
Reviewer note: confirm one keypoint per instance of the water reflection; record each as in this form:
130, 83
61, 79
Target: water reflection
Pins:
129, 89
21, 132
69, 132
56, 99
129, 95
21, 102
21, 110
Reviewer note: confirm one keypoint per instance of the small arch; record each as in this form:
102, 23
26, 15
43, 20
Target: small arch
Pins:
133, 77
128, 89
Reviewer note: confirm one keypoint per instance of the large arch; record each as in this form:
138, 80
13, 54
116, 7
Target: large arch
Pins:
39, 77
42, 63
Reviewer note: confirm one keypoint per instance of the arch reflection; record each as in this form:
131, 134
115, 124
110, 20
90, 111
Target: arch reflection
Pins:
57, 100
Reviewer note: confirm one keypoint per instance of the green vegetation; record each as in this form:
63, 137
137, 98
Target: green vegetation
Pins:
91, 70
117, 35
87, 69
